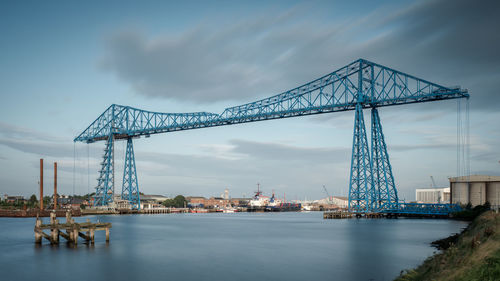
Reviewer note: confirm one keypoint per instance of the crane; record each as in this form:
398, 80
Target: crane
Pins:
327, 194
433, 183
359, 85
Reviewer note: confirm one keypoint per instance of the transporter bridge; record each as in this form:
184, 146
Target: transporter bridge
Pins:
359, 85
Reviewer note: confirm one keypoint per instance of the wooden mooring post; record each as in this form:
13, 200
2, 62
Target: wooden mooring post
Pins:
69, 230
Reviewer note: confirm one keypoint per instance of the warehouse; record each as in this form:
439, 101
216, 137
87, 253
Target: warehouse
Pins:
476, 190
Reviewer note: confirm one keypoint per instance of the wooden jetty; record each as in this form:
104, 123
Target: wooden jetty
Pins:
337, 215
69, 230
348, 215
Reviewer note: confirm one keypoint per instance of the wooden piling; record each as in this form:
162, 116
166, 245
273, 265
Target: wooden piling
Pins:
38, 236
337, 215
69, 230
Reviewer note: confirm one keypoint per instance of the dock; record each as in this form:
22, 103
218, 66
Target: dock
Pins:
70, 230
337, 215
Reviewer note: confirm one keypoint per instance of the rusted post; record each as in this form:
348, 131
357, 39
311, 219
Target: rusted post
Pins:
55, 185
92, 235
41, 183
107, 234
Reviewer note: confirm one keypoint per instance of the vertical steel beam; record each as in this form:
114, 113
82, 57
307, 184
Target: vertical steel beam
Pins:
360, 183
386, 193
130, 187
104, 190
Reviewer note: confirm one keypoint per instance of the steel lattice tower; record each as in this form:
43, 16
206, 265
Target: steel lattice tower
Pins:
105, 182
130, 188
386, 193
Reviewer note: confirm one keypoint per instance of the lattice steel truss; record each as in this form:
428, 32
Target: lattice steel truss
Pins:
361, 193
130, 188
386, 195
105, 182
359, 85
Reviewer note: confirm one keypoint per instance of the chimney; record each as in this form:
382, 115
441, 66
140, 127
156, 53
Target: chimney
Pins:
41, 184
55, 185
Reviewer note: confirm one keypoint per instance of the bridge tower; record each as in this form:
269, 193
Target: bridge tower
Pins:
130, 188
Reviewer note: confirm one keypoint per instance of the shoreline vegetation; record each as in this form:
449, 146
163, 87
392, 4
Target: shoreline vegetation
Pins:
474, 254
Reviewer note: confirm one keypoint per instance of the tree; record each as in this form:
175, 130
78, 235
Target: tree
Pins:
46, 201
33, 201
178, 202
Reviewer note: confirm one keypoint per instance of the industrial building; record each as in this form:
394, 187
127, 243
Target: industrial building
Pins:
433, 195
476, 190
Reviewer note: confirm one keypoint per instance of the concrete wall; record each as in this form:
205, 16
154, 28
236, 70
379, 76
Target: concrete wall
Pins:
493, 193
477, 193
460, 192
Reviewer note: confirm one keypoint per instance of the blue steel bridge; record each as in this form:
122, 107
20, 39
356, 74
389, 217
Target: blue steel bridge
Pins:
359, 85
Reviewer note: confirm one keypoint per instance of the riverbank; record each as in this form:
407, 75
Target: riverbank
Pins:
13, 213
474, 254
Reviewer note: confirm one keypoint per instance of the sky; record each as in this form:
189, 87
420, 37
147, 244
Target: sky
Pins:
64, 62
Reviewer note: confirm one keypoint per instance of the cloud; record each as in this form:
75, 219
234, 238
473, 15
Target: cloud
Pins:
447, 43
39, 147
280, 152
13, 131
254, 57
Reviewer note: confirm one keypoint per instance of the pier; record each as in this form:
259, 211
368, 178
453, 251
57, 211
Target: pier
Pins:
337, 215
70, 230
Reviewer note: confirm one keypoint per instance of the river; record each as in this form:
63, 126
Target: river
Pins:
240, 246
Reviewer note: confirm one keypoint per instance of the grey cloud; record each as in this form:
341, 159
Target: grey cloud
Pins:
445, 42
407, 147
280, 152
271, 164
39, 147
12, 131
253, 58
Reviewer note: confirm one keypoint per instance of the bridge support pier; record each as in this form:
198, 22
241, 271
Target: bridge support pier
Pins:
361, 191
130, 188
105, 183
386, 192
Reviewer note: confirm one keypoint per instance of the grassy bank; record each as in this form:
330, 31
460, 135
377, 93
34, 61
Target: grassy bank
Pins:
472, 255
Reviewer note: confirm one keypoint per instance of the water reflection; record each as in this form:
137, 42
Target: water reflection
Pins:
279, 246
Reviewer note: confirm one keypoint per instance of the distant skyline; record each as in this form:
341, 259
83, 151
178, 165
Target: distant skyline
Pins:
64, 62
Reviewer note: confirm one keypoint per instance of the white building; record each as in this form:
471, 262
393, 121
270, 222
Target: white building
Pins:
339, 201
433, 195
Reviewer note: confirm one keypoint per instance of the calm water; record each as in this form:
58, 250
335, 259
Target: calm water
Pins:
245, 246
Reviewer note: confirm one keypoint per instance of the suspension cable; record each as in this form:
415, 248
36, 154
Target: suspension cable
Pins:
88, 168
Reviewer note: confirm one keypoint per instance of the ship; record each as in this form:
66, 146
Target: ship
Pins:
261, 203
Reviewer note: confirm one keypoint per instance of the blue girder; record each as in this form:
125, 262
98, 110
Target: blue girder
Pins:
359, 85
130, 187
386, 193
338, 91
361, 188
105, 183
424, 209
